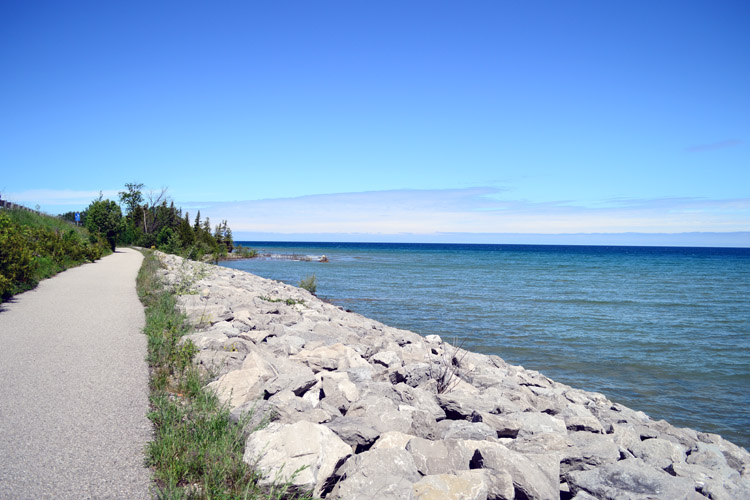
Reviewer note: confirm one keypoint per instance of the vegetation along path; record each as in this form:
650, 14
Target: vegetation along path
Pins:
74, 386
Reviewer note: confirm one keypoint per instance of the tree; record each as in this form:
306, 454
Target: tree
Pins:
197, 224
132, 198
186, 232
104, 217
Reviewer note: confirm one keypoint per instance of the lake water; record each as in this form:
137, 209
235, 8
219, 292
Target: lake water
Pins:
663, 330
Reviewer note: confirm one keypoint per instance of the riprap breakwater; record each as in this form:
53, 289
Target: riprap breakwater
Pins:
373, 411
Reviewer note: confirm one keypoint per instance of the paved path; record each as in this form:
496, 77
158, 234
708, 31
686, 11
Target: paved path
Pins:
74, 386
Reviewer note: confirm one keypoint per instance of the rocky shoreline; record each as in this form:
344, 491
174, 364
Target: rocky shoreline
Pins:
364, 410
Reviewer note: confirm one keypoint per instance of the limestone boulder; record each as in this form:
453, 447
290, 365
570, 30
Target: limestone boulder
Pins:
386, 474
439, 457
382, 414
330, 358
387, 359
313, 451
464, 429
299, 383
659, 453
589, 450
203, 311
538, 423
206, 339
217, 363
504, 427
537, 477
357, 432
418, 398
631, 479
392, 439
239, 386
464, 485
587, 423
288, 407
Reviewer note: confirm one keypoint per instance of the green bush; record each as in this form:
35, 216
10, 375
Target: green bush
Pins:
34, 247
104, 217
245, 253
16, 269
310, 284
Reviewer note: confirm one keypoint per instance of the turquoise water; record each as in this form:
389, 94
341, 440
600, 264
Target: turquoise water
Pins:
663, 330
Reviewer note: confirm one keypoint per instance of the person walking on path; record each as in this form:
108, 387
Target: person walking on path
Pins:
74, 386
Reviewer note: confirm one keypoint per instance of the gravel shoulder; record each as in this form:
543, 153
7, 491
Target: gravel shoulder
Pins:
74, 386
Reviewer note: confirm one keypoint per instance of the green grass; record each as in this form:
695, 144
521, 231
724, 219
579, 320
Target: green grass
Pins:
197, 451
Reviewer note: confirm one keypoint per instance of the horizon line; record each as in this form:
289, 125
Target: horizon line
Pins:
693, 239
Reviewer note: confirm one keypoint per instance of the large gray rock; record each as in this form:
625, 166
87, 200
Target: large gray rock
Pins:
659, 453
418, 398
463, 429
589, 450
538, 423
631, 479
382, 414
439, 457
202, 311
460, 406
280, 450
354, 431
298, 383
536, 477
385, 474
239, 386
504, 427
218, 363
464, 485
333, 357
386, 358
289, 408
392, 439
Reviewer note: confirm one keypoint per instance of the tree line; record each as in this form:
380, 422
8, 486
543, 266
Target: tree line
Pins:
151, 220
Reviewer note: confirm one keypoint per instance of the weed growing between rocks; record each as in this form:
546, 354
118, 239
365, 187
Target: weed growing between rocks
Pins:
310, 284
289, 302
445, 372
196, 452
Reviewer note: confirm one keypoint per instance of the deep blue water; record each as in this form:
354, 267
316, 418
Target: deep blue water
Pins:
663, 330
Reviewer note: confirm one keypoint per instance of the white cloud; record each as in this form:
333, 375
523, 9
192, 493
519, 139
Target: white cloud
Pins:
474, 210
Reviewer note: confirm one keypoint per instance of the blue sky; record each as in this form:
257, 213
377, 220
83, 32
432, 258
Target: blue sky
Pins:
386, 120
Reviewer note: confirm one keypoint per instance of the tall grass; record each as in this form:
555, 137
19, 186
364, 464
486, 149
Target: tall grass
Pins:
197, 451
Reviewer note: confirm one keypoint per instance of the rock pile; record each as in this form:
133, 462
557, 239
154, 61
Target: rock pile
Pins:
358, 409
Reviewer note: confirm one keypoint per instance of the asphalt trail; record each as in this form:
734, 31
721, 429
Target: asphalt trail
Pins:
74, 386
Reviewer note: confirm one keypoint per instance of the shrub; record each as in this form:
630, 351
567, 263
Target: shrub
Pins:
245, 253
104, 217
15, 257
310, 284
34, 247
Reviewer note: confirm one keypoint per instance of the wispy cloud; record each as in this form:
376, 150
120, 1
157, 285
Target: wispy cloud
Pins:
715, 145
474, 210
